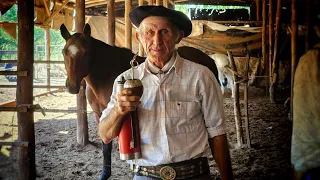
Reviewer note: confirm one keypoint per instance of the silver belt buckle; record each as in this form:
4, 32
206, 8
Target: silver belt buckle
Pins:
167, 173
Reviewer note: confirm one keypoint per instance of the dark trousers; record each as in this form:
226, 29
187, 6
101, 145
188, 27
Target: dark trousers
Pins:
311, 174
106, 150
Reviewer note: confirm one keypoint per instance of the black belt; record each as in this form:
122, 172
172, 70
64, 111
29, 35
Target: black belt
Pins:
181, 170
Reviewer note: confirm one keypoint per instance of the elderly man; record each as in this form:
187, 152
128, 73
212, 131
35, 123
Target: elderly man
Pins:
181, 114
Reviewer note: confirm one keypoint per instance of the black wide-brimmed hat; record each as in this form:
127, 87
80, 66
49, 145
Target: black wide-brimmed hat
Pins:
138, 14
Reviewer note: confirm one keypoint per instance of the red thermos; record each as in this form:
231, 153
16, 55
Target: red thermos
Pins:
129, 136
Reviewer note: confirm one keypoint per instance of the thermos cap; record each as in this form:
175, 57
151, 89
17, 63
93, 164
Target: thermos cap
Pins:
132, 83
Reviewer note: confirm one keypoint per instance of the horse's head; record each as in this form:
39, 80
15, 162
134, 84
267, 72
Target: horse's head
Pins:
76, 57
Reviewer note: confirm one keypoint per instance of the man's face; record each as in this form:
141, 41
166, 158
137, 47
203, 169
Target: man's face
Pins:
158, 37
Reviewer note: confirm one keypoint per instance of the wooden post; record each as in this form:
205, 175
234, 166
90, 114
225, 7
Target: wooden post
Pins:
264, 41
308, 9
270, 48
165, 3
141, 50
157, 2
245, 98
275, 63
150, 2
173, 4
111, 23
24, 93
48, 52
128, 26
258, 10
82, 119
237, 112
293, 49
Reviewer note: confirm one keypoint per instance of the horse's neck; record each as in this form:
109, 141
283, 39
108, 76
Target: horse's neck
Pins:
106, 64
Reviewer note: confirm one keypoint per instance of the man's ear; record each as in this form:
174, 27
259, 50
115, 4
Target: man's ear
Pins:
138, 37
181, 35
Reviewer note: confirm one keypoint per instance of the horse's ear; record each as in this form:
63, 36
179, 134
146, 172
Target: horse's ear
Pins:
87, 30
64, 32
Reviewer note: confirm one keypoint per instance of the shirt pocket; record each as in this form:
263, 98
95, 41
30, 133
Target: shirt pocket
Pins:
182, 110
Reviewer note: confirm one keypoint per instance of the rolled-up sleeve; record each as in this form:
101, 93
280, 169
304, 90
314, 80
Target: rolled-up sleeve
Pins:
212, 104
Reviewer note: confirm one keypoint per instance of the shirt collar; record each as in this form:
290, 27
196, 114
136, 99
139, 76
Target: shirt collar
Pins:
177, 66
154, 69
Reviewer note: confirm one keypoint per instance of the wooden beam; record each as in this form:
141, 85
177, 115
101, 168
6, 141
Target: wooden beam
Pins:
246, 104
24, 94
70, 7
157, 2
270, 14
35, 62
82, 119
294, 32
100, 2
48, 52
19, 144
275, 64
236, 102
258, 10
111, 23
46, 7
150, 2
56, 12
34, 86
264, 34
165, 3
103, 2
128, 26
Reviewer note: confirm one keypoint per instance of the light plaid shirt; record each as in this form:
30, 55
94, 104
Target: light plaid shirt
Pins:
178, 113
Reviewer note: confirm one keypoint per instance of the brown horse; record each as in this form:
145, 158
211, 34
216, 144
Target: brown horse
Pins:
99, 64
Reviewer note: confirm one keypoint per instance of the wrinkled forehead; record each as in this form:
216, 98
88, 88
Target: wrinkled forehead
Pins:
156, 22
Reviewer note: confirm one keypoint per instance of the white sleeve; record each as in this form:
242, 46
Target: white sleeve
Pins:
212, 104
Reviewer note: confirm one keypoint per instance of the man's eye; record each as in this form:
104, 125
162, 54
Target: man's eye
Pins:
149, 33
164, 31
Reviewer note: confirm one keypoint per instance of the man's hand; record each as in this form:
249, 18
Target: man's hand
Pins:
126, 101
110, 126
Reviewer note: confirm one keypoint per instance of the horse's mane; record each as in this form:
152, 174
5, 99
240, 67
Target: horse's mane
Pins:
106, 55
114, 48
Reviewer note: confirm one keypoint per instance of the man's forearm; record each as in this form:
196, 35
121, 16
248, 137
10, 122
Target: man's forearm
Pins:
110, 126
220, 151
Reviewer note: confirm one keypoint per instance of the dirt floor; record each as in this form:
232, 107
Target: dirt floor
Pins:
59, 157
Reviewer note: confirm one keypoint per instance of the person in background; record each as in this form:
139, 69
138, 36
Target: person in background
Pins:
181, 115
305, 149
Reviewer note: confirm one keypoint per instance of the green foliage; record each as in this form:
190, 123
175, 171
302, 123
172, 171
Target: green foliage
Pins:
10, 15
7, 43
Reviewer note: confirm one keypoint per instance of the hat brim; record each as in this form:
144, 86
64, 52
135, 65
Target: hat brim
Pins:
182, 21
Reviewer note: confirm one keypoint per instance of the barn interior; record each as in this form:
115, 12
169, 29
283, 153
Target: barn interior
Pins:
266, 38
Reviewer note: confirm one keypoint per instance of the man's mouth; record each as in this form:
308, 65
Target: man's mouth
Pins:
157, 50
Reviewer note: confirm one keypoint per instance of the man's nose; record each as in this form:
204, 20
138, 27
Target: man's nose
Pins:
157, 39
